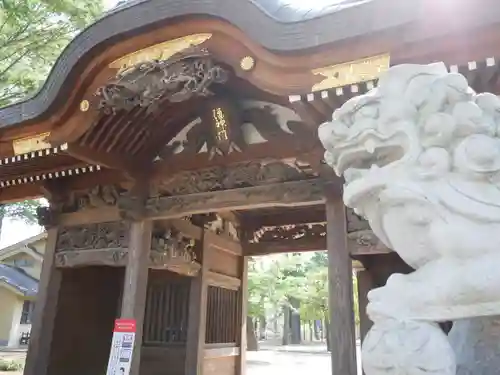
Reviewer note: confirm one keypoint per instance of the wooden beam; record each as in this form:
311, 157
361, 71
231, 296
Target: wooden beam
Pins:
297, 193
310, 215
197, 316
223, 281
135, 284
223, 243
37, 360
340, 288
310, 244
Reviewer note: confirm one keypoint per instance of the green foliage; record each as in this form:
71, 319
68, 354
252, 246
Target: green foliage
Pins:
24, 211
33, 34
273, 282
10, 365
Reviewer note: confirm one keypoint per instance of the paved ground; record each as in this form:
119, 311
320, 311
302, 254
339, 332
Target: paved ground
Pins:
270, 360
291, 360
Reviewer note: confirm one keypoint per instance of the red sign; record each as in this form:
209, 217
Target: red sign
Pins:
125, 325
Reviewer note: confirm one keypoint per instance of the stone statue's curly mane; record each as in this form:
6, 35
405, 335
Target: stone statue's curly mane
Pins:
420, 155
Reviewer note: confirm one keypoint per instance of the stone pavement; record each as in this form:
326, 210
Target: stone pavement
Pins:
270, 360
291, 360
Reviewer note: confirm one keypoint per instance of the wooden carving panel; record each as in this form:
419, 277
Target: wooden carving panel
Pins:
222, 178
93, 236
186, 74
92, 244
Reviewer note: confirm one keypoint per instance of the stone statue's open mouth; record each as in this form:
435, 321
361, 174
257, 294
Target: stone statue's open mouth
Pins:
363, 160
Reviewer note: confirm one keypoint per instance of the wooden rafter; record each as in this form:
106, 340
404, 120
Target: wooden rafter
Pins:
110, 160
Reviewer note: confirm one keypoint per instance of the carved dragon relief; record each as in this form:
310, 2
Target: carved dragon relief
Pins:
222, 178
186, 74
421, 158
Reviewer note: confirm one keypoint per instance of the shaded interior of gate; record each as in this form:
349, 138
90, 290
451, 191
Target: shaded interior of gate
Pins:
89, 302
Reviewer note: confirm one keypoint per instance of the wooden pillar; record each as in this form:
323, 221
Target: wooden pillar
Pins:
38, 356
340, 287
197, 317
365, 284
136, 283
241, 364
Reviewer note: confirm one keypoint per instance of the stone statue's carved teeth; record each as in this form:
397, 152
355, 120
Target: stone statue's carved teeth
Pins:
370, 146
367, 158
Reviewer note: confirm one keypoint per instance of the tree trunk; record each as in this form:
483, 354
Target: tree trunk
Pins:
296, 338
328, 338
252, 343
262, 327
316, 330
312, 323
286, 325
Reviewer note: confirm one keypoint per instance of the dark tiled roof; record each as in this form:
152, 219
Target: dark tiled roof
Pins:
19, 280
281, 10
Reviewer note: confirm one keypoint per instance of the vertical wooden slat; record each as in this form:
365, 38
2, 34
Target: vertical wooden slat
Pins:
243, 302
195, 345
135, 285
157, 313
340, 288
210, 322
42, 328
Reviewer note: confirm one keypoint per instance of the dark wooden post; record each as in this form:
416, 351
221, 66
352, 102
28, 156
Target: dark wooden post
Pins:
136, 283
197, 318
365, 284
342, 329
241, 365
37, 360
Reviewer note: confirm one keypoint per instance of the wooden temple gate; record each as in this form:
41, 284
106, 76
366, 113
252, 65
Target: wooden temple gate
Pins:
170, 152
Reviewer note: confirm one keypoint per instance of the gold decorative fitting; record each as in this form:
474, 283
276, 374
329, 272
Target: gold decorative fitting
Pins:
31, 144
161, 51
247, 63
84, 105
351, 72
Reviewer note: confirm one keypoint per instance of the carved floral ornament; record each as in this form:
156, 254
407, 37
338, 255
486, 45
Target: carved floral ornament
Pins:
421, 158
